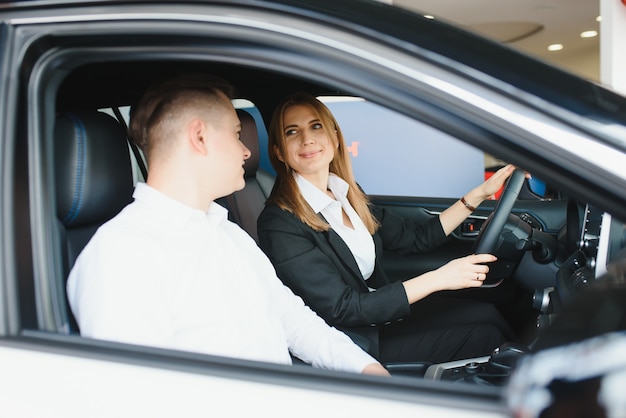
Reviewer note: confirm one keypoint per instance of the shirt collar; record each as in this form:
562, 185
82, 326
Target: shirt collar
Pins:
316, 198
174, 211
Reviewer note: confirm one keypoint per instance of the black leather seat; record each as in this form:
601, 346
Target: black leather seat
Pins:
246, 205
93, 179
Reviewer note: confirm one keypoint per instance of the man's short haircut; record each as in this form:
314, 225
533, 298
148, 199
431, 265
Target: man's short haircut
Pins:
170, 96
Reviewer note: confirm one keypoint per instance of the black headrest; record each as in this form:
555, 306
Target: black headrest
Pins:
92, 165
250, 137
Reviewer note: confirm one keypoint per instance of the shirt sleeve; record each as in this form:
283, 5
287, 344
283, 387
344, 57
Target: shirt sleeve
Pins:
312, 340
309, 337
406, 236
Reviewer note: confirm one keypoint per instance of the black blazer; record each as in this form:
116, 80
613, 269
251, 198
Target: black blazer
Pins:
320, 268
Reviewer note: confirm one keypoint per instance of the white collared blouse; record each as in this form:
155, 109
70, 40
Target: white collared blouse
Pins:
358, 239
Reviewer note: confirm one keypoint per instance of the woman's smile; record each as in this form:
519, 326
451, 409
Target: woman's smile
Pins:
310, 154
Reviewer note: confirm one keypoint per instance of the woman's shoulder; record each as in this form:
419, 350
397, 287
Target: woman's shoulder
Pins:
273, 214
271, 208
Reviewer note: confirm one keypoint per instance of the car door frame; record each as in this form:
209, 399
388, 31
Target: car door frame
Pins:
26, 259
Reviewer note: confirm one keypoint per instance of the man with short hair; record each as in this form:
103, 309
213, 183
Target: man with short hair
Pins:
171, 271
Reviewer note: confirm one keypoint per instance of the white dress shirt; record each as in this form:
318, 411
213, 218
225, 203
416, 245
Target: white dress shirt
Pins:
163, 274
358, 239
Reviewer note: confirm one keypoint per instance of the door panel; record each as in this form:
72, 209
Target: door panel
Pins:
548, 215
513, 297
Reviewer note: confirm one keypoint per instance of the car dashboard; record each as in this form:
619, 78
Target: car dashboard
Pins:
594, 240
601, 241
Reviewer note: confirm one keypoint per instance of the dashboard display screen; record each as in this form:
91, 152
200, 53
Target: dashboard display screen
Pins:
612, 245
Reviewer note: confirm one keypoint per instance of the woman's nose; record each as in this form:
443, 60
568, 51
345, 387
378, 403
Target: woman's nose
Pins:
306, 138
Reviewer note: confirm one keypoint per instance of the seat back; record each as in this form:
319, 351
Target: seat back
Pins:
246, 205
93, 180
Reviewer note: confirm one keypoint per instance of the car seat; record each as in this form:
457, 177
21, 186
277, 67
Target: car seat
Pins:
93, 182
246, 205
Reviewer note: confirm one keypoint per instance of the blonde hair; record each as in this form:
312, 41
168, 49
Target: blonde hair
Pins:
286, 193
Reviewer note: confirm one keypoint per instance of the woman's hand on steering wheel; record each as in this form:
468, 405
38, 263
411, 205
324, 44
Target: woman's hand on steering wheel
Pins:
464, 272
496, 181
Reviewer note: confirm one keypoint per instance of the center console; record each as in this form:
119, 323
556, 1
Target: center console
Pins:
493, 370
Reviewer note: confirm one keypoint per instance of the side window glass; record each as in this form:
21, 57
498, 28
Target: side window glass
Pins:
412, 160
124, 113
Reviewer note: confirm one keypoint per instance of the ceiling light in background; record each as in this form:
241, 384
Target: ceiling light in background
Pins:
555, 47
506, 32
589, 34
429, 16
599, 19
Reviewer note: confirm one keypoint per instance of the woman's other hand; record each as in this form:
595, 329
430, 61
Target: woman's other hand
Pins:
464, 272
495, 182
460, 273
452, 217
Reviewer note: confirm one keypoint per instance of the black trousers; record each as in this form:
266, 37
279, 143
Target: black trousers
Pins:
442, 329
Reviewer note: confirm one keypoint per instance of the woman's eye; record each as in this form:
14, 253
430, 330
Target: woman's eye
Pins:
290, 132
316, 126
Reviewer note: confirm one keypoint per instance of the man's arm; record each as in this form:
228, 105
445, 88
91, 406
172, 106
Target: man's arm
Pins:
311, 339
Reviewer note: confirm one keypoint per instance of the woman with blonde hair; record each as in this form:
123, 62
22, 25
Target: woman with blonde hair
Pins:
326, 239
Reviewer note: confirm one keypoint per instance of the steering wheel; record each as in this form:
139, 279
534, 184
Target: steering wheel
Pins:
489, 235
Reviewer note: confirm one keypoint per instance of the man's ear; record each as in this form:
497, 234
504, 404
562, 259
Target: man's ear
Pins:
278, 155
197, 136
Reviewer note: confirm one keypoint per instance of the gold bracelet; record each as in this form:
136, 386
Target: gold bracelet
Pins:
467, 205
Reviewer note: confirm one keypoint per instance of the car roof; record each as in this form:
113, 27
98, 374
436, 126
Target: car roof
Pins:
444, 42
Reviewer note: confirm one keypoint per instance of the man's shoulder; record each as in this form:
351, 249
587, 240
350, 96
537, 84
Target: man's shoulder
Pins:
125, 228
124, 220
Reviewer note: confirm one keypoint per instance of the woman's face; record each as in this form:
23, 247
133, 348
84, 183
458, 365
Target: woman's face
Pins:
309, 146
